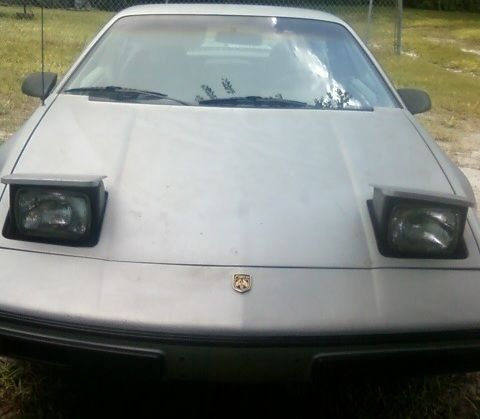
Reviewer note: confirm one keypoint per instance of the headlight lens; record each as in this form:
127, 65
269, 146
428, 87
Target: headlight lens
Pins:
420, 224
418, 229
52, 213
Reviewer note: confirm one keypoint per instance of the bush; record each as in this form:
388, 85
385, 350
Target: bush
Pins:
450, 5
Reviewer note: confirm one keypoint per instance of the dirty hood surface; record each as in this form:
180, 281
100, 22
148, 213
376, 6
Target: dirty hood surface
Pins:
219, 186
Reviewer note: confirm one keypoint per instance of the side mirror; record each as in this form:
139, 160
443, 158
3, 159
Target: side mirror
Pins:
416, 101
32, 85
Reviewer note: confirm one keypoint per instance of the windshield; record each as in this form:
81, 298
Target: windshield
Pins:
234, 61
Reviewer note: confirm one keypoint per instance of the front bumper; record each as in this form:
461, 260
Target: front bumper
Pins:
186, 322
300, 358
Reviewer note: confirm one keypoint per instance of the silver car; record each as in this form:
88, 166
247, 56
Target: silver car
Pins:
234, 192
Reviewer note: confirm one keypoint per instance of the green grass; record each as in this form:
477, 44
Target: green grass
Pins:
441, 54
443, 58
66, 34
30, 390
438, 58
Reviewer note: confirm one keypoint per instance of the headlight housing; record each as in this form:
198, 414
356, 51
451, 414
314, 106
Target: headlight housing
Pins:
63, 210
412, 223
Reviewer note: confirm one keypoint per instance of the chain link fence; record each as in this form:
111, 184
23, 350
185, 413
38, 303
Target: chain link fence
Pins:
378, 22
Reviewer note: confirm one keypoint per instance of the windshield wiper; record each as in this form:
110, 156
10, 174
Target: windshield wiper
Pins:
113, 89
255, 101
121, 93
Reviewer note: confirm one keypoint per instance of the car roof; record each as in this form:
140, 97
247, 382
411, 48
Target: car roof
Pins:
227, 10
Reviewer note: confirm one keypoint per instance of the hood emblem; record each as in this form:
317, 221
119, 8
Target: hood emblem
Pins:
242, 283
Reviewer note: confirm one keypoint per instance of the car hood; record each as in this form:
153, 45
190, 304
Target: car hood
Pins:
231, 186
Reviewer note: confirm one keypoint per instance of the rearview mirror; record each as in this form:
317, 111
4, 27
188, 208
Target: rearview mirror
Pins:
32, 85
416, 101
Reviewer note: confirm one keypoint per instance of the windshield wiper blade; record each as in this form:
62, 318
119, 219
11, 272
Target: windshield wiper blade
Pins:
114, 89
256, 101
122, 93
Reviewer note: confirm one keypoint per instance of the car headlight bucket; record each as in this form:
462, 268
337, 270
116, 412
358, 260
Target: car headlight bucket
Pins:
412, 223
62, 210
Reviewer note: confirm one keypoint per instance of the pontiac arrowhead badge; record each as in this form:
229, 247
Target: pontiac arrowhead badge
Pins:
242, 283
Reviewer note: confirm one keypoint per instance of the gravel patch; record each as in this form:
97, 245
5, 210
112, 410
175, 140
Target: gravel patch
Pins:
3, 135
410, 54
471, 51
473, 176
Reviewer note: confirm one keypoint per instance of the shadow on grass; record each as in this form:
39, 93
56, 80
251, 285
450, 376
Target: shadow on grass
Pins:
18, 15
44, 391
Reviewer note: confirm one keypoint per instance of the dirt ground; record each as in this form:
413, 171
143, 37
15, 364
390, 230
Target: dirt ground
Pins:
460, 139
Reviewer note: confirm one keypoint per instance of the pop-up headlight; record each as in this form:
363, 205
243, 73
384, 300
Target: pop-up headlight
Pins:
411, 223
56, 209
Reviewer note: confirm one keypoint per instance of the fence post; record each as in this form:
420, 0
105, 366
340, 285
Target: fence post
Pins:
397, 43
369, 22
